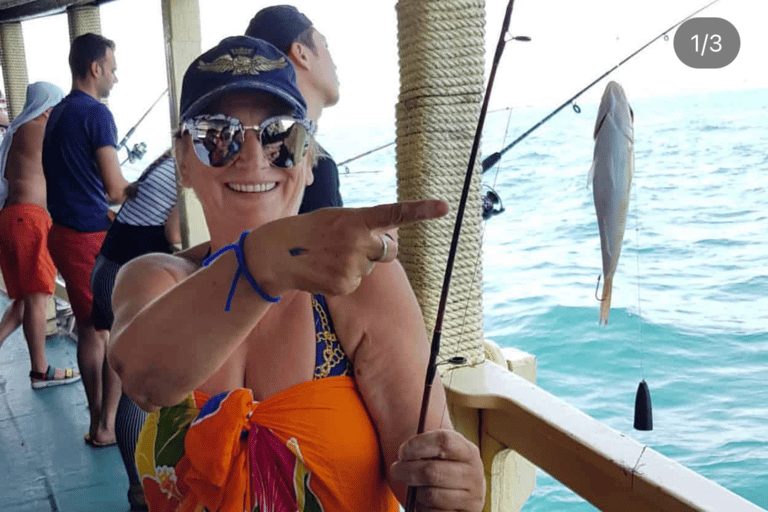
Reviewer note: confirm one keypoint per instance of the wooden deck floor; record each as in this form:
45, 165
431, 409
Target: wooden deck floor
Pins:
44, 463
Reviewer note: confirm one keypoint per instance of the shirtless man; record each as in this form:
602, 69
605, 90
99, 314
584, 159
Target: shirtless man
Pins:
28, 270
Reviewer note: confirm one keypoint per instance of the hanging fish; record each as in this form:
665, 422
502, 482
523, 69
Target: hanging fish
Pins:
613, 165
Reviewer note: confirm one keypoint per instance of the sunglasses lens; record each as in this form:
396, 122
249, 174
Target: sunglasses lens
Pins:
285, 141
218, 140
215, 141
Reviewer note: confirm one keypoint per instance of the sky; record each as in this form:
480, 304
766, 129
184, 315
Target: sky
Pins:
572, 44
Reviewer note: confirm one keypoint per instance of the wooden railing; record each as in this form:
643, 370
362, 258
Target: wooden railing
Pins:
609, 469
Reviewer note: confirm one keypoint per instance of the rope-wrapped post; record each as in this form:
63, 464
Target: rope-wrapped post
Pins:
83, 19
14, 62
441, 45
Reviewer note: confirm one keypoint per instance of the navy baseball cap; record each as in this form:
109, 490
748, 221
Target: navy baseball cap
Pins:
239, 63
278, 24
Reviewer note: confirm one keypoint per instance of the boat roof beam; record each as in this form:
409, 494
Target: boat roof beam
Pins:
22, 10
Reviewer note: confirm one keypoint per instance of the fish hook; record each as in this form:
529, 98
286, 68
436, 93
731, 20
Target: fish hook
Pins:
597, 287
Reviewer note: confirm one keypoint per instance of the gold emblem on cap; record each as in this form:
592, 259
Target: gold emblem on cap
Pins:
242, 64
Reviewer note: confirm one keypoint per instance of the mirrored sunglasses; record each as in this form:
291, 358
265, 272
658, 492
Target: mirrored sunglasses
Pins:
218, 139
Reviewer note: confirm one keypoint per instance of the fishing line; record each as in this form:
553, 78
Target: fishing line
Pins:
504, 139
491, 201
456, 359
491, 160
370, 151
643, 405
639, 308
499, 110
435, 345
348, 172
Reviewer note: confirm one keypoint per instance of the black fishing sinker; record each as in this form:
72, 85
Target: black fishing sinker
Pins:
643, 408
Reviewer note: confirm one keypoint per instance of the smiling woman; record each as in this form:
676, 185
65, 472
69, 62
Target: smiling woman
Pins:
304, 368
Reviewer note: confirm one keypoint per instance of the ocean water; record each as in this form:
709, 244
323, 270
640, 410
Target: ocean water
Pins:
690, 303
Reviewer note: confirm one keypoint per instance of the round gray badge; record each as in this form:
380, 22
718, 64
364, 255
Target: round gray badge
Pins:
707, 43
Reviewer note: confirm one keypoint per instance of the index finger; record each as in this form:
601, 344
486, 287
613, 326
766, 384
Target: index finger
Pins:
388, 216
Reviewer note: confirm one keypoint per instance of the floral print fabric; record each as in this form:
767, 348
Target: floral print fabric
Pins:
309, 448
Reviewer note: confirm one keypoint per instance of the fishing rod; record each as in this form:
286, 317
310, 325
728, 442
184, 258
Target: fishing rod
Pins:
516, 38
140, 149
491, 160
435, 346
365, 154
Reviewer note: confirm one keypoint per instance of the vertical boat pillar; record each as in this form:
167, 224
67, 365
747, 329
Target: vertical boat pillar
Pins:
83, 19
441, 46
181, 32
441, 53
14, 63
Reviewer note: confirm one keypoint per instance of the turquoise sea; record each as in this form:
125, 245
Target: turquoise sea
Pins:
690, 306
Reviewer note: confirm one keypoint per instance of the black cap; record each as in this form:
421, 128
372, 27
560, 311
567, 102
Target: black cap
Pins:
279, 25
235, 64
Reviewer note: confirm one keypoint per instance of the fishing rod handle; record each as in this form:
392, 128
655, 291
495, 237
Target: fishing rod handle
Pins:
410, 499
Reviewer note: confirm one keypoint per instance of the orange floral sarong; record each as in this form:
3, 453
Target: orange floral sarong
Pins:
311, 447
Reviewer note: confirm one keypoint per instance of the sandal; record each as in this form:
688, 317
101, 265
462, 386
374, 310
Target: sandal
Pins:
45, 380
96, 444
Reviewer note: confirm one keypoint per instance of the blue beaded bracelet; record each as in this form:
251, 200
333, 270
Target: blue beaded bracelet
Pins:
242, 268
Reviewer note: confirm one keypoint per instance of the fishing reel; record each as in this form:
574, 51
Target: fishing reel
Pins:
137, 153
492, 204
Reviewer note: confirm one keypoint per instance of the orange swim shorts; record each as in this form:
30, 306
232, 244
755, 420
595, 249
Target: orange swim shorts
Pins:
74, 254
24, 259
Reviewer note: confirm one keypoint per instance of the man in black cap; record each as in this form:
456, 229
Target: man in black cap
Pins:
292, 33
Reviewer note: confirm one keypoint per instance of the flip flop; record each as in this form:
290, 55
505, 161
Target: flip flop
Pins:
41, 380
95, 444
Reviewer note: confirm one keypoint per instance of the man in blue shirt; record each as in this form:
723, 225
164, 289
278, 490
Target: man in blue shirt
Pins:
82, 177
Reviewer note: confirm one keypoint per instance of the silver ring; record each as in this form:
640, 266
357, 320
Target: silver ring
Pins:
384, 251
